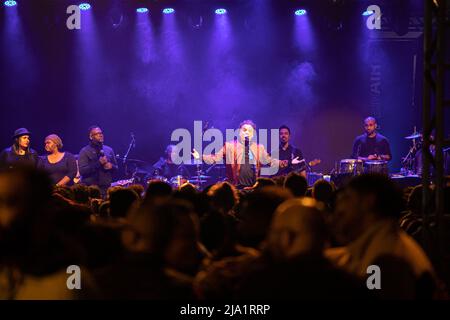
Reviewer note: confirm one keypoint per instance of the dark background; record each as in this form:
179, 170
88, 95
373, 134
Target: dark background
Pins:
320, 74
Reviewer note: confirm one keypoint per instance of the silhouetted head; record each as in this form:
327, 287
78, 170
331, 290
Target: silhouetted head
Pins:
296, 183
298, 227
323, 191
366, 199
223, 196
257, 209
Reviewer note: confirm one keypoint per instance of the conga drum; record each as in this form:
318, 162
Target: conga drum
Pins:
351, 166
376, 166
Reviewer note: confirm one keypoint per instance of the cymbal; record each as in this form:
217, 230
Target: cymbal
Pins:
133, 160
194, 181
141, 171
414, 136
191, 162
201, 177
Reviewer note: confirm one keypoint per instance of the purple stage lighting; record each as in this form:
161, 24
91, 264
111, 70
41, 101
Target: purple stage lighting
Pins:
10, 3
84, 6
142, 10
168, 10
300, 12
221, 11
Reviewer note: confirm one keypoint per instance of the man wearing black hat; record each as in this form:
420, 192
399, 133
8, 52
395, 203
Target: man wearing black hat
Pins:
20, 152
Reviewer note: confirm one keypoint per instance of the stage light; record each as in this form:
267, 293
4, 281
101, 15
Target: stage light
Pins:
141, 10
367, 13
84, 6
168, 10
10, 3
300, 12
221, 11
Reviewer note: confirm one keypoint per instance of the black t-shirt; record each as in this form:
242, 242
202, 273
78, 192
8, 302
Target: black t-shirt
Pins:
365, 146
10, 159
247, 172
247, 175
66, 167
289, 154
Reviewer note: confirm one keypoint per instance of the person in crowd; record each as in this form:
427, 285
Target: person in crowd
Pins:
223, 197
157, 191
163, 254
121, 201
366, 219
256, 212
296, 184
35, 245
292, 264
323, 191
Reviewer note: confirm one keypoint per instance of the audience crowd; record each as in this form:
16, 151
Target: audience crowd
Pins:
280, 240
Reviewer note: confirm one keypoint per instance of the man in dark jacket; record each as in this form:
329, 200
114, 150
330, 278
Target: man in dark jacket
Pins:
97, 162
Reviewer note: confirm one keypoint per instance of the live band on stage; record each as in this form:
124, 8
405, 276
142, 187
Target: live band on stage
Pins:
239, 161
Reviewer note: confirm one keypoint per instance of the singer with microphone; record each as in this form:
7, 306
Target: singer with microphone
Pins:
371, 145
97, 162
243, 157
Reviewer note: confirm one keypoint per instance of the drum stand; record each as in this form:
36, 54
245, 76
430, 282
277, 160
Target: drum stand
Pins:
409, 161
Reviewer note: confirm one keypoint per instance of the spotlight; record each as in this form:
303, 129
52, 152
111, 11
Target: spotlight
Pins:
300, 12
367, 13
10, 3
168, 10
84, 6
221, 11
141, 10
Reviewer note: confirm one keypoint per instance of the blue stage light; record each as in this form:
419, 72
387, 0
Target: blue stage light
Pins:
10, 3
367, 13
300, 12
84, 6
142, 10
221, 11
168, 10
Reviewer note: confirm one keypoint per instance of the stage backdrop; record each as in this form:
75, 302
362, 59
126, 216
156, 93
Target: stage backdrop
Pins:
150, 73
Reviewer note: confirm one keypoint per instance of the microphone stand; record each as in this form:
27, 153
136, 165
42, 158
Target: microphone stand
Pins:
126, 155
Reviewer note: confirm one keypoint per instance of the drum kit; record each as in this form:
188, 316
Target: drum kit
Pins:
143, 173
356, 167
411, 163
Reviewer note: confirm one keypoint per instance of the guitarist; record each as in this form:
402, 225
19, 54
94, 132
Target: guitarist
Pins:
291, 158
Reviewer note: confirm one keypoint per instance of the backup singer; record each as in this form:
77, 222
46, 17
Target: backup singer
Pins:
97, 162
20, 152
61, 166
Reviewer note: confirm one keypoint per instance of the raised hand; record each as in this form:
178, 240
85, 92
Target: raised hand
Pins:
296, 161
195, 154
